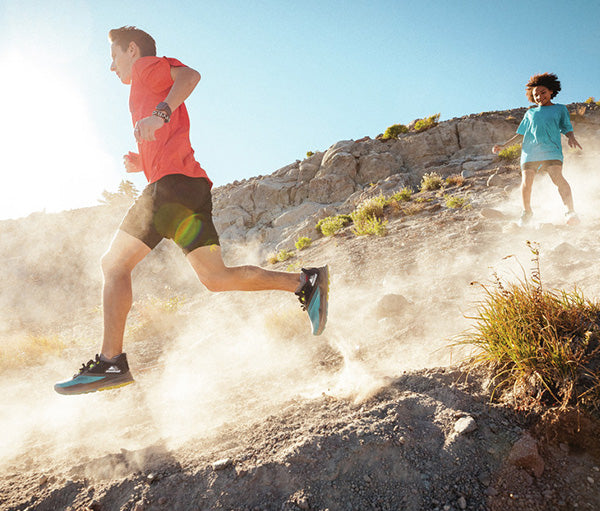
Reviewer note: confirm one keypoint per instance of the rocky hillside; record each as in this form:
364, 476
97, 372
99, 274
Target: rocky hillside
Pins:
236, 406
278, 208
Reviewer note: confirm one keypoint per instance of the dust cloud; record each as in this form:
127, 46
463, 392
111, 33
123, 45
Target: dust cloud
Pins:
238, 357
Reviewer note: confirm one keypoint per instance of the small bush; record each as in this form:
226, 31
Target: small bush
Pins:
545, 343
370, 207
455, 180
427, 123
332, 224
394, 131
309, 154
510, 153
591, 99
431, 181
369, 226
454, 202
403, 195
302, 243
281, 256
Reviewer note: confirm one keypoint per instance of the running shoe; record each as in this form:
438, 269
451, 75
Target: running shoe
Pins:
572, 218
312, 293
98, 375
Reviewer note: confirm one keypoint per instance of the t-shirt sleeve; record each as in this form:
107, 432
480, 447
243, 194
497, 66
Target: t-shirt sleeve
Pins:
156, 74
565, 121
522, 129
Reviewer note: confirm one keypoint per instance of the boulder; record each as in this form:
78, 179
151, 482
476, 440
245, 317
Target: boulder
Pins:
376, 166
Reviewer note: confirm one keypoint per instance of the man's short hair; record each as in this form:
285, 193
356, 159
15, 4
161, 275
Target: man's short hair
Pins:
125, 35
548, 80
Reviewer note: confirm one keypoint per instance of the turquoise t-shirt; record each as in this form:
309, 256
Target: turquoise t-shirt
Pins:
541, 129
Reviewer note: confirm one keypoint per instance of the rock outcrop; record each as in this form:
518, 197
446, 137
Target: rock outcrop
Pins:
276, 209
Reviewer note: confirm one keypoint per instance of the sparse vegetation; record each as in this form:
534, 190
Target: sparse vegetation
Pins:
431, 181
542, 343
510, 153
403, 195
281, 256
370, 226
455, 180
303, 242
332, 224
127, 192
367, 217
427, 123
454, 202
394, 131
590, 100
370, 207
309, 154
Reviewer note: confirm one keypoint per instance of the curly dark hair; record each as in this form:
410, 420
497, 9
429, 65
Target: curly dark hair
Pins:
548, 80
124, 35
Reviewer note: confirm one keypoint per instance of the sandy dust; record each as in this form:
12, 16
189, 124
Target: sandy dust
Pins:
237, 406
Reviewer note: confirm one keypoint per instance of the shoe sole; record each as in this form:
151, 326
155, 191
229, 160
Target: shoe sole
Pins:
89, 390
323, 310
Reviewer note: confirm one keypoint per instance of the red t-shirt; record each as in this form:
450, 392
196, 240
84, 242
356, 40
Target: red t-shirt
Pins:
171, 152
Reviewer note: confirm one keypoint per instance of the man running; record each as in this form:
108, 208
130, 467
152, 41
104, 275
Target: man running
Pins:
176, 204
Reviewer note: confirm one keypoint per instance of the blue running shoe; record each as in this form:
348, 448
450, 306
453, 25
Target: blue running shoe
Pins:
313, 293
96, 375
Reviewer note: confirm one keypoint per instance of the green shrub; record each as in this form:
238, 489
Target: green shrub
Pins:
303, 242
370, 207
309, 154
431, 181
511, 153
281, 256
427, 123
367, 217
546, 343
330, 225
403, 195
394, 131
370, 225
454, 202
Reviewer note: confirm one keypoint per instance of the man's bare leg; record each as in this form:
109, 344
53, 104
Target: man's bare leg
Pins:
208, 264
119, 261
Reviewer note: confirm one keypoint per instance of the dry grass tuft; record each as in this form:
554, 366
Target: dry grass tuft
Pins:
544, 343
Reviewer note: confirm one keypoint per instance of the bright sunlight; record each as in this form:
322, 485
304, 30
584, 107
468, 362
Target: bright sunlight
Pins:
52, 158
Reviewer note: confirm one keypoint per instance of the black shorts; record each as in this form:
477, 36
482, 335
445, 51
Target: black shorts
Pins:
177, 207
540, 166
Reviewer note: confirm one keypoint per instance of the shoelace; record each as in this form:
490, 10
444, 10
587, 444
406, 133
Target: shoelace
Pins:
89, 365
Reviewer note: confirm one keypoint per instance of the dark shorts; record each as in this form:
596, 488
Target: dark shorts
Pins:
177, 207
541, 166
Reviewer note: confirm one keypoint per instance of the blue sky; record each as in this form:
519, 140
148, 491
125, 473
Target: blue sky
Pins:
278, 79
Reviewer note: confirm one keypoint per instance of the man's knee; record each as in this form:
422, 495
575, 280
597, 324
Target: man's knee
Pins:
113, 266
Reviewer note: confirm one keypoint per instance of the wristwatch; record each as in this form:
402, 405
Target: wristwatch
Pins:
163, 110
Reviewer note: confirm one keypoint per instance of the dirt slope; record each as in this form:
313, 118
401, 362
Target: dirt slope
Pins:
237, 407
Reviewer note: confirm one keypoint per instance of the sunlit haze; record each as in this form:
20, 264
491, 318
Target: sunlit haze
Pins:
278, 79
